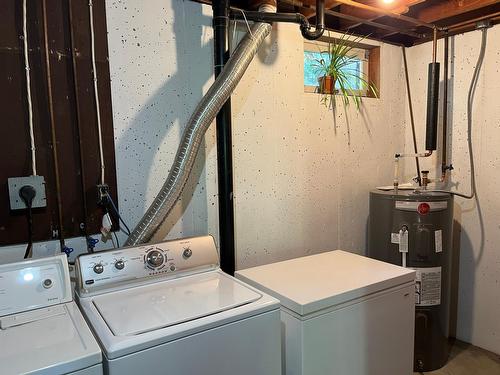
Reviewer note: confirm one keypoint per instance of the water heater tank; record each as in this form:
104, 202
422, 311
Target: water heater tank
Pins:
414, 229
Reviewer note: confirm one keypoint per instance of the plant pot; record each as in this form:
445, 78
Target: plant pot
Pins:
326, 85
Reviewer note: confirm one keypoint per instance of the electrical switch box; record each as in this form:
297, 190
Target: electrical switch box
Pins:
16, 183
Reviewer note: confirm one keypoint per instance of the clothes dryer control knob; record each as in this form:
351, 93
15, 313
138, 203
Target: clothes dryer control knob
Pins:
187, 253
155, 258
98, 268
119, 264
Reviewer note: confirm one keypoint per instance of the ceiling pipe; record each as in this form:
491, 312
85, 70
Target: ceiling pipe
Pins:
305, 27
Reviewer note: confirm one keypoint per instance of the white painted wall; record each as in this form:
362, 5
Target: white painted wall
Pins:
302, 173
479, 271
160, 58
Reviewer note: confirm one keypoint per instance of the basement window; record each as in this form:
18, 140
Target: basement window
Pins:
365, 63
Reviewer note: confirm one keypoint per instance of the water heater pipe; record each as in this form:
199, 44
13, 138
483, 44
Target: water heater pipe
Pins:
444, 147
432, 99
195, 130
412, 119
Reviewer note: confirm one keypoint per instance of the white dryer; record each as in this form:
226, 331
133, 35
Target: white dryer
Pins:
41, 329
167, 308
342, 313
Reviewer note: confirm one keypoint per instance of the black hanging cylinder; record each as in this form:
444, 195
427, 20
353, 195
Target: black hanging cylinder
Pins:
432, 107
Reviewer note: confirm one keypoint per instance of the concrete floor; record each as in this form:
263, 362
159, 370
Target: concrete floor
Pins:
466, 359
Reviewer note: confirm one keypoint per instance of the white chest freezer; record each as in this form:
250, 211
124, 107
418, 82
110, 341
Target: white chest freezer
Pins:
341, 313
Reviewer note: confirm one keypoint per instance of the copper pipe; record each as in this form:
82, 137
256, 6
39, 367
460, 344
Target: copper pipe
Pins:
434, 45
52, 124
444, 166
412, 119
78, 117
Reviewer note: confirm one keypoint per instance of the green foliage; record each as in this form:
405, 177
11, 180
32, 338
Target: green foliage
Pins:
341, 57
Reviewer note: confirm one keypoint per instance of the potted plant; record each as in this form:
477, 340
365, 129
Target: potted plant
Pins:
337, 74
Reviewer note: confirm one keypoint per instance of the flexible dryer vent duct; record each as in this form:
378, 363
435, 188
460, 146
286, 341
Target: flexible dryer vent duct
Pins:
195, 130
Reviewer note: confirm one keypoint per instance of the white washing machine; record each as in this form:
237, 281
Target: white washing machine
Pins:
342, 314
41, 329
168, 309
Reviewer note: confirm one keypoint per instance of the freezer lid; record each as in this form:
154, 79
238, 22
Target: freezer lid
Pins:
146, 308
309, 284
54, 341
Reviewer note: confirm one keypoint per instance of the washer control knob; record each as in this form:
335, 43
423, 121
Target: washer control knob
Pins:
155, 258
47, 283
119, 264
98, 268
186, 254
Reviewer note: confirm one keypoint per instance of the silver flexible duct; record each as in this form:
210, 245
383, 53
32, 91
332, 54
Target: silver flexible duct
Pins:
195, 130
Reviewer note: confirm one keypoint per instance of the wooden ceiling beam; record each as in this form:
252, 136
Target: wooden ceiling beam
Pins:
451, 8
359, 20
386, 12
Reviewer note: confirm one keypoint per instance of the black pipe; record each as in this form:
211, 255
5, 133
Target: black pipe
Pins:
220, 10
305, 26
432, 107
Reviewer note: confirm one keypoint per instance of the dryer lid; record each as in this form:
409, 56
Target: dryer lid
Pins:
146, 308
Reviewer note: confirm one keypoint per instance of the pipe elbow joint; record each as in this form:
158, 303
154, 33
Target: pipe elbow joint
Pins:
312, 35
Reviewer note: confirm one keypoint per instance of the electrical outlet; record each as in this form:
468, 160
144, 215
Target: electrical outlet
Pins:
102, 194
16, 183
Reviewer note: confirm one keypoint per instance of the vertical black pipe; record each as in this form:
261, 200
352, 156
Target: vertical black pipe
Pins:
220, 10
432, 107
432, 99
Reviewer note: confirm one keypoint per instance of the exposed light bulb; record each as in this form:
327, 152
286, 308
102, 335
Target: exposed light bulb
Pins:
388, 1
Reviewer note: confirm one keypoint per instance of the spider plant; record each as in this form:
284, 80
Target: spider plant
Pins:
336, 64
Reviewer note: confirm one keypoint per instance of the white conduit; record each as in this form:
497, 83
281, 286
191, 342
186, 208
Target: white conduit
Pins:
96, 91
28, 90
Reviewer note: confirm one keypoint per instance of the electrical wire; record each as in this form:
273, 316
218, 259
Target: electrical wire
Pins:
28, 89
117, 213
29, 249
96, 91
116, 238
470, 102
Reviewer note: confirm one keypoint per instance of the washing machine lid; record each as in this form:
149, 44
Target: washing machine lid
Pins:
309, 284
52, 340
146, 308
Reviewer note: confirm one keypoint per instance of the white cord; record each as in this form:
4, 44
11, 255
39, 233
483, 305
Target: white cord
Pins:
96, 92
28, 89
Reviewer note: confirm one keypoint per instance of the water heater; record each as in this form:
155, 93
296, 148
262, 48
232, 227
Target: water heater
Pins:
414, 229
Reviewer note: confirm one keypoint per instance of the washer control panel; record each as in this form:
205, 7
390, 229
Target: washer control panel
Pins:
139, 264
33, 284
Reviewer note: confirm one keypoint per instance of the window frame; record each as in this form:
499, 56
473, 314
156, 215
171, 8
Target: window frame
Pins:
363, 51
